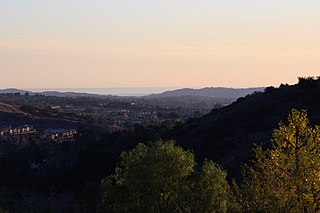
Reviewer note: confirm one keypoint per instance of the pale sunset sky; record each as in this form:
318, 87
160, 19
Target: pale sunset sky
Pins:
157, 43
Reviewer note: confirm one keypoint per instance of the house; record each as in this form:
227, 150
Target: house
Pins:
59, 134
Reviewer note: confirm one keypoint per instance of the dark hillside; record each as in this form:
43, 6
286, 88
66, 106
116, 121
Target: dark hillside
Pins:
227, 135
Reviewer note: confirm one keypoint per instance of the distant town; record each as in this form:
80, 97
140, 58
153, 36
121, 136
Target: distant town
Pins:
27, 133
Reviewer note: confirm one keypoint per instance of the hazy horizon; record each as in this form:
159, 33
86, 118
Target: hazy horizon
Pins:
117, 91
143, 43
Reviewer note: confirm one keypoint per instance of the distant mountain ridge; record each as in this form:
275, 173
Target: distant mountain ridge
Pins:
52, 93
217, 92
12, 90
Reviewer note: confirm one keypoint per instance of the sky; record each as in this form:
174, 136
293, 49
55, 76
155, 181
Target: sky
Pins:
157, 43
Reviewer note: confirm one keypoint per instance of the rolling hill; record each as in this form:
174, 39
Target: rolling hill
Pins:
16, 116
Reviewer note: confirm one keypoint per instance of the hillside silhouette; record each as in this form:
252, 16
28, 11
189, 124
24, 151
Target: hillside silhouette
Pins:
227, 135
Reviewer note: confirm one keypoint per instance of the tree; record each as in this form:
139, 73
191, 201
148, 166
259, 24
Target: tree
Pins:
286, 178
162, 178
209, 190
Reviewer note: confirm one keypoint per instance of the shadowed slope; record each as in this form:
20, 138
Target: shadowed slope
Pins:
227, 135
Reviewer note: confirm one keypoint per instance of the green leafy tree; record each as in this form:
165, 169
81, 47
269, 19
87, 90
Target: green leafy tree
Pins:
286, 178
209, 190
162, 178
